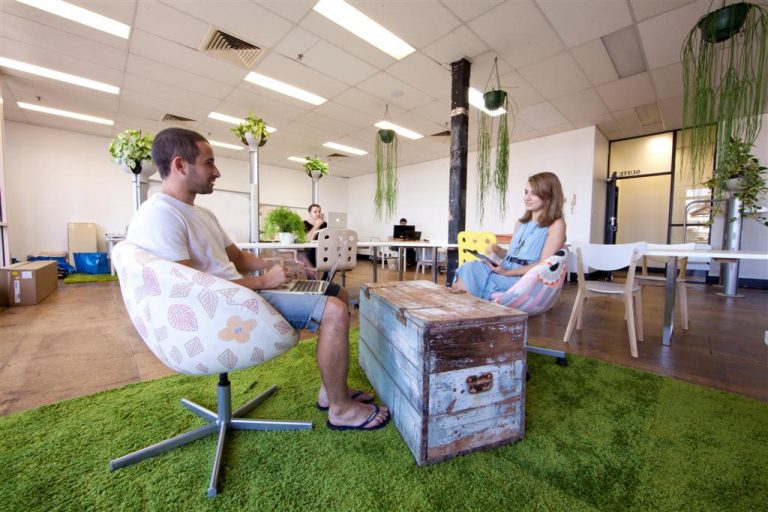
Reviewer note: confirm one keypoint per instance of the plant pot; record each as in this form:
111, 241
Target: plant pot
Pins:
723, 23
250, 140
286, 238
494, 100
315, 175
387, 136
734, 185
145, 168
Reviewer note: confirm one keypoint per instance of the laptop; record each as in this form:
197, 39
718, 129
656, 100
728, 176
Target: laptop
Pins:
336, 220
308, 286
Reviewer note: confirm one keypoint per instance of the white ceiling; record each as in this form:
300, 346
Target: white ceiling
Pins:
551, 58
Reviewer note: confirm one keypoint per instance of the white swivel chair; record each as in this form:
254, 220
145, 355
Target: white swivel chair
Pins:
425, 260
682, 264
609, 258
198, 324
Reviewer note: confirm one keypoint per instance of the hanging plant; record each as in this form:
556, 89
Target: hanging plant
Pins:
315, 167
252, 128
129, 148
724, 82
738, 172
387, 154
493, 174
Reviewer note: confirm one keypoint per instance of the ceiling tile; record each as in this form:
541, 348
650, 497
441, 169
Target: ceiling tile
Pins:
518, 32
298, 41
595, 61
581, 105
424, 74
462, 42
668, 81
556, 76
334, 34
520, 91
645, 9
162, 105
628, 120
555, 129
579, 21
468, 10
246, 98
169, 23
332, 61
353, 118
593, 121
241, 19
439, 112
424, 21
628, 92
176, 77
300, 75
672, 112
662, 37
393, 91
293, 10
144, 85
542, 116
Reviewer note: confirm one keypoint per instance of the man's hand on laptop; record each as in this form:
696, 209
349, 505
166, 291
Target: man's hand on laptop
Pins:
273, 278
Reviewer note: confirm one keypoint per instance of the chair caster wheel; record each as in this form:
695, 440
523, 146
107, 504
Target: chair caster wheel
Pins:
562, 361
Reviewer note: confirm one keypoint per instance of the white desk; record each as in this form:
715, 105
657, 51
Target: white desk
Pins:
372, 245
669, 290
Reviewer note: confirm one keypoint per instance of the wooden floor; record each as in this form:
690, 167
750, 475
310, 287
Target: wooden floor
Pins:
80, 341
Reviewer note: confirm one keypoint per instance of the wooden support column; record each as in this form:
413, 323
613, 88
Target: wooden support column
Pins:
457, 184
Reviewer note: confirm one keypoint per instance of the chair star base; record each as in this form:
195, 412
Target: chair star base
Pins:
219, 422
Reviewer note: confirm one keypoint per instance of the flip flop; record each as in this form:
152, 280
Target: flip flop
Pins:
363, 424
352, 396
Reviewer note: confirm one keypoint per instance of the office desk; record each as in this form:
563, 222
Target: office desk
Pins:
671, 275
374, 246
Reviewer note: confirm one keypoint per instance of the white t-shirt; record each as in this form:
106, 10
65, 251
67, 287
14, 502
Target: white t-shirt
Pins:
175, 230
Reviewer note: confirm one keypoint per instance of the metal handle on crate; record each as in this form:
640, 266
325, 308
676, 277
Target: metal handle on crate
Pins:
479, 383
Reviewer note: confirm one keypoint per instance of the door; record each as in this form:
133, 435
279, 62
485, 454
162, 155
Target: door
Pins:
611, 206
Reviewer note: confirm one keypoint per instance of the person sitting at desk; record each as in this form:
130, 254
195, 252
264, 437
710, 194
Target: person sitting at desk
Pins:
539, 233
315, 223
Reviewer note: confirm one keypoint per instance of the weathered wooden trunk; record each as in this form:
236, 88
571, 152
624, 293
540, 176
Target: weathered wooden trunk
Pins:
450, 367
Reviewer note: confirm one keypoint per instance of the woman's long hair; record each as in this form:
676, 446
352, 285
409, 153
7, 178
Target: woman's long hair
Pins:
547, 186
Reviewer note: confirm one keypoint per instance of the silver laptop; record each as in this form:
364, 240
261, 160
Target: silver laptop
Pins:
336, 220
308, 286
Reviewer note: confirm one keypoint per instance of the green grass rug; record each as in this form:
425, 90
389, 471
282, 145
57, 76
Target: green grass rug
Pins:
598, 437
88, 278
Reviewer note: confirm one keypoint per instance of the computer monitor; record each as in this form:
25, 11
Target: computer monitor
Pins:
403, 232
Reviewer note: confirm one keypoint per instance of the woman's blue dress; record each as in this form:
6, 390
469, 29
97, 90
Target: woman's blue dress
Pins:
525, 248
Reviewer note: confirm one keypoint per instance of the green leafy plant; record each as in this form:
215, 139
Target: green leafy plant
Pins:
130, 147
725, 78
255, 126
740, 173
314, 164
284, 220
493, 175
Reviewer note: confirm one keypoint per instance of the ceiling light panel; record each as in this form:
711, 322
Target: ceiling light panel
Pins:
624, 50
57, 75
346, 16
234, 120
82, 16
65, 113
224, 145
345, 149
477, 101
405, 132
297, 159
284, 88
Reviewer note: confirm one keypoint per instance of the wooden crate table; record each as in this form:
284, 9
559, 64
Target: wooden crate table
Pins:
450, 367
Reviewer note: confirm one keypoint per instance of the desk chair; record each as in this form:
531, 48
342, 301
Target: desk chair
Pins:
341, 244
682, 264
477, 240
608, 258
425, 260
198, 324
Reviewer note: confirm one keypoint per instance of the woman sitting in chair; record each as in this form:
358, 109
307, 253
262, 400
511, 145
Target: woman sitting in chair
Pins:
539, 233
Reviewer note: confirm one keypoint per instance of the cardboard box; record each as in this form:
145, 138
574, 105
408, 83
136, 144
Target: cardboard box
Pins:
28, 283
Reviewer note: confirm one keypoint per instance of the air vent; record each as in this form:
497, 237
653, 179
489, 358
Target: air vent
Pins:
446, 133
173, 118
232, 49
336, 155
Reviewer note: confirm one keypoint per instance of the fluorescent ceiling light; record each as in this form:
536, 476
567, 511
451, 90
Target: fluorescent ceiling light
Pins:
346, 149
80, 15
284, 88
65, 113
343, 14
297, 159
57, 75
224, 145
405, 132
624, 51
234, 120
476, 100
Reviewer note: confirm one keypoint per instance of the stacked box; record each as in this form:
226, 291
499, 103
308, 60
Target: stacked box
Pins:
28, 283
450, 367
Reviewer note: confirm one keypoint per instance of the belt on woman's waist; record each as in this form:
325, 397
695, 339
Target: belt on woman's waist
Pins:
520, 262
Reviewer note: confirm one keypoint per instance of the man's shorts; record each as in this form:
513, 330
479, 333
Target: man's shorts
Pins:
301, 311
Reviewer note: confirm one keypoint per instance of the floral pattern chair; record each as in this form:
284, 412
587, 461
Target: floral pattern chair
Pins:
198, 324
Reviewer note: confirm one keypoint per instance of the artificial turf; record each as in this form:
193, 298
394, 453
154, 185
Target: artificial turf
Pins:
598, 437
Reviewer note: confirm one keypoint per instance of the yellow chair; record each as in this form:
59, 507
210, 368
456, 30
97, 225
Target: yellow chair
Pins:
477, 240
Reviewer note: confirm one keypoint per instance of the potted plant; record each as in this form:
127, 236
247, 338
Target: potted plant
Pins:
387, 154
252, 131
132, 151
315, 168
724, 82
286, 224
739, 173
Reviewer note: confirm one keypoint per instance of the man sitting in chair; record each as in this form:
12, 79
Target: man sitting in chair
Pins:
170, 226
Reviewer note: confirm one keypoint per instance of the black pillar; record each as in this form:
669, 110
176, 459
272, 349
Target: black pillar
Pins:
457, 183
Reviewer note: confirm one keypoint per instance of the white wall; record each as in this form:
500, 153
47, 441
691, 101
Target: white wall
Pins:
54, 177
424, 189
